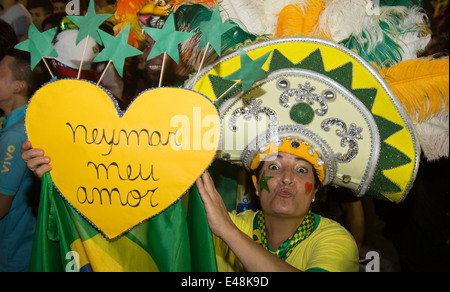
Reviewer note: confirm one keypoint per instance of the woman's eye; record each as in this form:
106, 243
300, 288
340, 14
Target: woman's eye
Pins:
273, 167
302, 170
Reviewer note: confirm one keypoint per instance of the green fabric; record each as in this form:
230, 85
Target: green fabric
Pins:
202, 245
226, 177
174, 242
46, 239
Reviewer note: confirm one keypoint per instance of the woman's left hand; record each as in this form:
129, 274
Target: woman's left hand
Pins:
253, 257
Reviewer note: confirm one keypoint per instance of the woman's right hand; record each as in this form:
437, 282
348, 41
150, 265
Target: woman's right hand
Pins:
35, 159
216, 212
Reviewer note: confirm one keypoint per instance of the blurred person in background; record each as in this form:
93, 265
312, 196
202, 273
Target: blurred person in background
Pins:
17, 16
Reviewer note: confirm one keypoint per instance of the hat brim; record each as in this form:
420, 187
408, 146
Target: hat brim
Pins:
399, 151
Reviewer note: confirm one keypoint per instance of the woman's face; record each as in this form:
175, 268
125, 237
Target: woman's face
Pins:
286, 186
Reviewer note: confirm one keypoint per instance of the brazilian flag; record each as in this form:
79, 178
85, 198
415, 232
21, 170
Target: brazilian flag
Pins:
174, 241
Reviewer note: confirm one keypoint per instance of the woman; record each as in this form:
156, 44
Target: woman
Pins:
298, 240
285, 235
319, 104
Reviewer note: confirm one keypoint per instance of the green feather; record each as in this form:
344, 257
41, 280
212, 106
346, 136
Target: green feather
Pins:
387, 53
407, 3
189, 17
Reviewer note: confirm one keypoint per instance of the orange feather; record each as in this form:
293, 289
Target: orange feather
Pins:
126, 14
421, 85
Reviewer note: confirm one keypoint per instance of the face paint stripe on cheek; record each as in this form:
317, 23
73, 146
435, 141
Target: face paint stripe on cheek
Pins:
308, 188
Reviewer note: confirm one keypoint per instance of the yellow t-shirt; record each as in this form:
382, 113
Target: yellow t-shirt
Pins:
330, 247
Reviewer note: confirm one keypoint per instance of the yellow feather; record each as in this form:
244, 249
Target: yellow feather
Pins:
421, 85
312, 15
290, 22
293, 21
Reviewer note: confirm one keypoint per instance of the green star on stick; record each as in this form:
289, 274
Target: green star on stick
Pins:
250, 70
89, 24
38, 44
116, 49
213, 30
167, 39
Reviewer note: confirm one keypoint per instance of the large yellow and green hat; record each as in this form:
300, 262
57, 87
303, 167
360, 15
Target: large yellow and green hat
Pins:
327, 97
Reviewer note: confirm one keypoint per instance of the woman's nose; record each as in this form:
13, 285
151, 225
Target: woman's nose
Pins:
287, 176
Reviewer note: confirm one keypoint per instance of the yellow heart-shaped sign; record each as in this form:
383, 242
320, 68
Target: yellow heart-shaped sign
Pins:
120, 170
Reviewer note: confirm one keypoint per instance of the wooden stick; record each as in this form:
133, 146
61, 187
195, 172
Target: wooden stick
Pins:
82, 57
225, 93
162, 70
104, 71
48, 68
201, 63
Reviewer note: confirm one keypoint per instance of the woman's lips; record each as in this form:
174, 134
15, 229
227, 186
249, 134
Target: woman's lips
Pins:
285, 193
